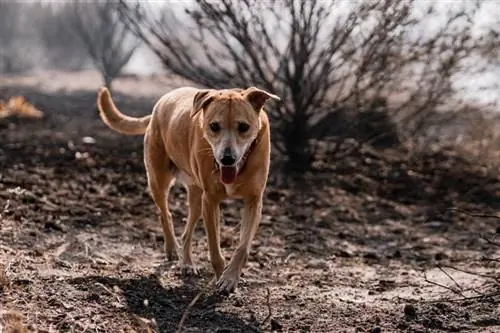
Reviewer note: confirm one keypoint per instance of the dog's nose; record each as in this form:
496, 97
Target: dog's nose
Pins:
228, 158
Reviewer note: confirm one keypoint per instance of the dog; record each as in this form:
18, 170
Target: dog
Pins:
216, 143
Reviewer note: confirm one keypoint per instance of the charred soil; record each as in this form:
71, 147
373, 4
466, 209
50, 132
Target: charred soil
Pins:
379, 241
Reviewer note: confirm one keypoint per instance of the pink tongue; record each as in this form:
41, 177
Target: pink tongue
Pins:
228, 174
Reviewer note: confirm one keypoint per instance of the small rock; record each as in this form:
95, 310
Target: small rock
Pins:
376, 329
440, 256
275, 325
273, 195
371, 255
88, 140
323, 224
410, 310
317, 264
223, 330
435, 224
344, 253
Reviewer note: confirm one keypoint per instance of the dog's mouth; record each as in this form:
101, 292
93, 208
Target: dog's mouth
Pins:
228, 174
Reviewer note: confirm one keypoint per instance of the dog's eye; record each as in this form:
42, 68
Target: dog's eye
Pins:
243, 127
214, 127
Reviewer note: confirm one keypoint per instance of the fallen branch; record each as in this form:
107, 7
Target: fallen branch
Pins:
112, 293
489, 241
192, 303
494, 278
268, 303
451, 278
452, 300
473, 214
453, 290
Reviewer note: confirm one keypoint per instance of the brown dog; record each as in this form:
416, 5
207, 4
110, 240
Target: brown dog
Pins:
217, 143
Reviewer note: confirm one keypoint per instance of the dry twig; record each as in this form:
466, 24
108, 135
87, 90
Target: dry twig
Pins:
450, 277
211, 283
453, 290
486, 276
268, 303
455, 209
489, 241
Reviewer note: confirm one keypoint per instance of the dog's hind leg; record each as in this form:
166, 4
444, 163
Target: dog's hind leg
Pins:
194, 200
160, 179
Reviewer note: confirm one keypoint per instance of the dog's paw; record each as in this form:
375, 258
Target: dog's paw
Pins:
227, 284
172, 255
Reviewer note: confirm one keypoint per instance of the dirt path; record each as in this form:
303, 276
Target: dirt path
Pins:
370, 245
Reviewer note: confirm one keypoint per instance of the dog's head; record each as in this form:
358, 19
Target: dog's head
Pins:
230, 123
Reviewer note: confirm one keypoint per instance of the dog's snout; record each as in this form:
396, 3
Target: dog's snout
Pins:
228, 157
228, 160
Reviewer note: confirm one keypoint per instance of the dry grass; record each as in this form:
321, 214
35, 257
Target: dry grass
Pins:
4, 281
12, 322
482, 141
20, 107
472, 132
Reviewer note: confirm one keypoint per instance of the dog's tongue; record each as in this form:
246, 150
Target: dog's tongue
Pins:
228, 174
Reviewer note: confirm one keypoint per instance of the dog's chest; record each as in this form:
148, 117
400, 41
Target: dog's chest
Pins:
184, 178
231, 191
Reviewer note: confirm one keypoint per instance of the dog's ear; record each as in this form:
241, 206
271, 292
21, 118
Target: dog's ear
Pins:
257, 97
201, 100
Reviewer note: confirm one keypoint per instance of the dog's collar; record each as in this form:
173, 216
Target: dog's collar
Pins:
244, 159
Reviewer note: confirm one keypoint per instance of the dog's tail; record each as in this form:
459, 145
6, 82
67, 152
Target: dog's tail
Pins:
116, 120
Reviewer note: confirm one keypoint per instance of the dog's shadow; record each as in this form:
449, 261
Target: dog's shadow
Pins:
148, 299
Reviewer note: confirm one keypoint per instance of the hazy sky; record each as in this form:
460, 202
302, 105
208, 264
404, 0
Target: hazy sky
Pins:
144, 62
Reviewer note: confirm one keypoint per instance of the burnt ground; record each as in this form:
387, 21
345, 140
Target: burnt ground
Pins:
379, 241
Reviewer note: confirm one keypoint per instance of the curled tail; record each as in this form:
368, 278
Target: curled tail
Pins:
116, 120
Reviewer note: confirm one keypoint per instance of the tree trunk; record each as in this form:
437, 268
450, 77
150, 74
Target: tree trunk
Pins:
108, 80
297, 146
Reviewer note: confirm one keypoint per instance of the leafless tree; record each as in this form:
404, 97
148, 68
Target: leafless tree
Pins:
103, 36
319, 56
60, 47
7, 33
16, 38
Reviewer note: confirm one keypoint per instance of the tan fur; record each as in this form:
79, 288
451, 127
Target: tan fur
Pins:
179, 143
118, 121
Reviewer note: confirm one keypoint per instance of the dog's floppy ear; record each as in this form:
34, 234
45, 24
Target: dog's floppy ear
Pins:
257, 97
201, 100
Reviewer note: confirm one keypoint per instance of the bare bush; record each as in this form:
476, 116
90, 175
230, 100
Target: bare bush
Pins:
320, 57
32, 36
60, 47
7, 34
102, 35
481, 140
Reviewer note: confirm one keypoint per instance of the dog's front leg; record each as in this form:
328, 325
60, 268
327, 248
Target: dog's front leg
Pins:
211, 219
252, 214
